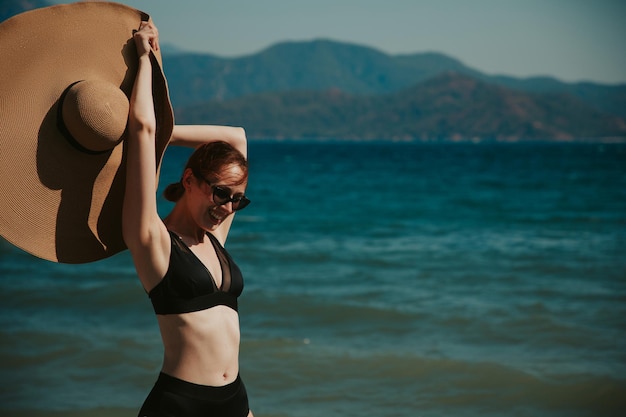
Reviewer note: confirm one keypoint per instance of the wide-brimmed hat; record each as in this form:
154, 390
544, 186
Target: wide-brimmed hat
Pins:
66, 75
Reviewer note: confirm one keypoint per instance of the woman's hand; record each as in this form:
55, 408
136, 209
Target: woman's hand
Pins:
146, 38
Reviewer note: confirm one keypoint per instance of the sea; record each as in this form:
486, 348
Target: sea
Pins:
391, 279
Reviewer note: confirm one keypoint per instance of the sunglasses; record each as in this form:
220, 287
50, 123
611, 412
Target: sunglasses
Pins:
221, 195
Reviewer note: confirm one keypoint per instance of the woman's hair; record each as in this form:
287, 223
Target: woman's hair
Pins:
209, 160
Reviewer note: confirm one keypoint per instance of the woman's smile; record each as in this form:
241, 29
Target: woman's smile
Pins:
215, 215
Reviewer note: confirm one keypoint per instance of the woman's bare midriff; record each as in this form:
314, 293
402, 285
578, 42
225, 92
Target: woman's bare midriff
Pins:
202, 347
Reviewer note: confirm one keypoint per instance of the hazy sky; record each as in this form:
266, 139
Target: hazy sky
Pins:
572, 40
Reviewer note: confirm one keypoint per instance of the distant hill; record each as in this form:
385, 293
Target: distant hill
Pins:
315, 65
606, 98
323, 64
450, 106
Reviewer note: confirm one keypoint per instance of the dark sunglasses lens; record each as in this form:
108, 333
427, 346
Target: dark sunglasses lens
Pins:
240, 203
221, 195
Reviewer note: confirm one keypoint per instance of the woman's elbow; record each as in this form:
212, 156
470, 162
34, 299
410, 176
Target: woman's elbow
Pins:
241, 140
142, 126
241, 134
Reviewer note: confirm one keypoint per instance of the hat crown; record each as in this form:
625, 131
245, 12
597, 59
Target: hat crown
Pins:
95, 114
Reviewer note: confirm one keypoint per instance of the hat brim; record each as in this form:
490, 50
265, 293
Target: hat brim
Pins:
59, 203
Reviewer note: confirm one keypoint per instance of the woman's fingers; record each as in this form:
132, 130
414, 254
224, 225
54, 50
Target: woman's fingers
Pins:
146, 37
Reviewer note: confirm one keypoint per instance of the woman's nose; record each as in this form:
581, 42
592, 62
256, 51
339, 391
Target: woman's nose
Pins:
228, 206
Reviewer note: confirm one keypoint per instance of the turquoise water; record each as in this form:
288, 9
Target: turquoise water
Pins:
381, 280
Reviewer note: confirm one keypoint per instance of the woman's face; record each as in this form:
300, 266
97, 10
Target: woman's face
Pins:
206, 196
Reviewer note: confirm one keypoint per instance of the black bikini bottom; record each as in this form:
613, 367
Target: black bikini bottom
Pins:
173, 397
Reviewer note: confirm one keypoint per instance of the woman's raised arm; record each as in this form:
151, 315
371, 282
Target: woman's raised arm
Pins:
196, 135
143, 231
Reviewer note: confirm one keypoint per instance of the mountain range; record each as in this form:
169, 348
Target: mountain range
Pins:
449, 106
325, 64
328, 89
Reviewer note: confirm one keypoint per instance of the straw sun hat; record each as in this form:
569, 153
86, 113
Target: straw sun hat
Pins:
66, 73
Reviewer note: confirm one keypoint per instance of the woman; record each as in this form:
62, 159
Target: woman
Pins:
180, 260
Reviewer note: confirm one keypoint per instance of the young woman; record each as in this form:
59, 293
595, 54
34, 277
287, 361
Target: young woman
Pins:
181, 262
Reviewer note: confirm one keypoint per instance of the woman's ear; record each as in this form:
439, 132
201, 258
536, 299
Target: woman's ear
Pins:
187, 178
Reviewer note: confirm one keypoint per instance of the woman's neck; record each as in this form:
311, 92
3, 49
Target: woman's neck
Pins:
180, 222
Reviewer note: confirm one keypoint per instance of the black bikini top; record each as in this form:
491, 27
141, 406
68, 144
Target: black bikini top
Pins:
189, 286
